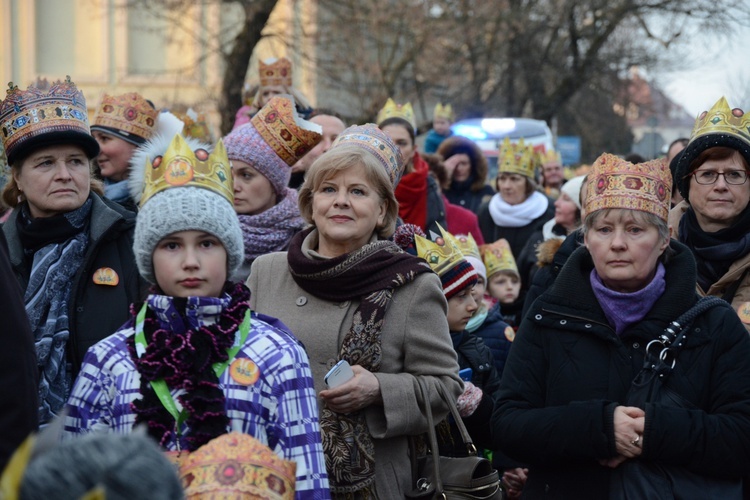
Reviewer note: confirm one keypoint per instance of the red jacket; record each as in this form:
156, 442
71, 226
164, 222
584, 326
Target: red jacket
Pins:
462, 221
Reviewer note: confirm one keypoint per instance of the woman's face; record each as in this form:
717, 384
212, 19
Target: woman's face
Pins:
114, 156
253, 193
268, 92
625, 250
54, 180
400, 136
463, 167
718, 205
346, 210
565, 212
512, 188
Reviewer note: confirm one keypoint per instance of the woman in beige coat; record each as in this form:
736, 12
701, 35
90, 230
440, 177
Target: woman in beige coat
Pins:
348, 292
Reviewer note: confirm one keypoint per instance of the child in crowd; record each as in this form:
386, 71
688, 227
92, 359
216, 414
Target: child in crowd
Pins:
193, 362
503, 281
442, 119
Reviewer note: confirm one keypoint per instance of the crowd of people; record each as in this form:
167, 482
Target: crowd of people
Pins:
192, 300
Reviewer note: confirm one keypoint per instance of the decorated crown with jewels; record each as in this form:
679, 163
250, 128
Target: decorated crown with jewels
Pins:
275, 72
181, 167
516, 158
466, 244
721, 119
129, 115
446, 259
498, 256
393, 110
25, 115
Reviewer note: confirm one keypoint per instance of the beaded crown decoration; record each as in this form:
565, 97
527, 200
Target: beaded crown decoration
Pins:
127, 115
393, 110
275, 72
284, 130
616, 183
181, 167
516, 158
376, 142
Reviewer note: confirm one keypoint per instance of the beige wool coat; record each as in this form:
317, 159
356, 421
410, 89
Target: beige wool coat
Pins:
737, 271
415, 342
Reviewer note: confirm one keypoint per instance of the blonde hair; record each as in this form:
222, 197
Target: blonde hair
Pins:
300, 100
342, 158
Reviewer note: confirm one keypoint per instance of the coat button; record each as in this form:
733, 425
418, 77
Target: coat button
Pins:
330, 363
636, 345
344, 305
538, 317
301, 301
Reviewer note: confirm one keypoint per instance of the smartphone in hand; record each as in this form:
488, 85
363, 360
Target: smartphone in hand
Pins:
340, 373
465, 374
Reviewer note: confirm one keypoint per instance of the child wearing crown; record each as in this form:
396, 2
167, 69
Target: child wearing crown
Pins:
503, 282
442, 118
194, 362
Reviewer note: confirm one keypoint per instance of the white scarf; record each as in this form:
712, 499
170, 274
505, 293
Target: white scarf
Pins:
505, 215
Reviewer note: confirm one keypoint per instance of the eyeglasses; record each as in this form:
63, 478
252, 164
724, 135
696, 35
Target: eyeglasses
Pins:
735, 177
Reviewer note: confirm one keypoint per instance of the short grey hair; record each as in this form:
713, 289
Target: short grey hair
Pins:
645, 218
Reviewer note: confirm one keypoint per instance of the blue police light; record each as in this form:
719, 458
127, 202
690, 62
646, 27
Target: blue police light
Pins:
470, 132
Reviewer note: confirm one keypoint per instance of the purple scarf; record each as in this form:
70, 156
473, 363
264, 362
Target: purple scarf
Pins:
271, 231
624, 309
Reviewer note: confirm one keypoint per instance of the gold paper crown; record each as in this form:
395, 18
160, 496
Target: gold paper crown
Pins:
720, 119
128, 114
443, 111
393, 110
196, 125
616, 183
237, 466
442, 254
181, 167
499, 257
284, 131
516, 158
275, 72
550, 156
466, 244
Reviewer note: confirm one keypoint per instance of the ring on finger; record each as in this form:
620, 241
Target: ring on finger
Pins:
637, 441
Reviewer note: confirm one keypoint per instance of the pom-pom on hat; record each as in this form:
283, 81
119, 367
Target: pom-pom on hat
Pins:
183, 187
498, 256
128, 116
718, 127
617, 183
274, 140
376, 142
445, 258
37, 118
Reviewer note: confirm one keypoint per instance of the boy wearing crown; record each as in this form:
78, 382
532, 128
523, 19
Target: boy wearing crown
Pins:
194, 362
442, 119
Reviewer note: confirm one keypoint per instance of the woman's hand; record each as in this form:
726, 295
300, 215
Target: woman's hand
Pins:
359, 392
450, 165
513, 481
629, 425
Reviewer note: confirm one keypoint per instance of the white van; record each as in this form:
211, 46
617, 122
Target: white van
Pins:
489, 133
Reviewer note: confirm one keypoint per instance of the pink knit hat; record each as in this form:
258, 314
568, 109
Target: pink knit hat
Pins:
273, 141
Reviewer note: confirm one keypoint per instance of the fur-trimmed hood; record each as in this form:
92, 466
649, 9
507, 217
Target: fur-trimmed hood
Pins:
546, 251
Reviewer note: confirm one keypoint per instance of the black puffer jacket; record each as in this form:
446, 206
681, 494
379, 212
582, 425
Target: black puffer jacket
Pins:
568, 371
495, 335
95, 311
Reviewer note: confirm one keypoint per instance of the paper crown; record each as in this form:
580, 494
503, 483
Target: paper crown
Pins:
445, 258
466, 244
443, 111
516, 158
550, 156
196, 125
275, 72
393, 110
129, 116
237, 465
280, 126
616, 183
34, 116
498, 256
376, 142
181, 167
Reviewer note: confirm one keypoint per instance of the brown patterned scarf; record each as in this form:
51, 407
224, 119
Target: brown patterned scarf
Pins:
370, 275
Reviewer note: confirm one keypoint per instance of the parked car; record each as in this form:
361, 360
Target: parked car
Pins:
489, 133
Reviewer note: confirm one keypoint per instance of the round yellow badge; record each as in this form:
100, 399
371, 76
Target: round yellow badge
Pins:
743, 311
244, 371
178, 172
510, 333
106, 276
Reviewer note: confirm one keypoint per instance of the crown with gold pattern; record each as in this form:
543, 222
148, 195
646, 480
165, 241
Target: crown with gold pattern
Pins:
35, 117
181, 167
275, 72
443, 111
498, 256
550, 156
370, 138
465, 243
516, 158
393, 110
616, 183
288, 135
237, 465
128, 116
196, 125
446, 259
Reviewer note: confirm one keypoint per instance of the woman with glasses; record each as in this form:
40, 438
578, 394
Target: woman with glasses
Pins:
714, 219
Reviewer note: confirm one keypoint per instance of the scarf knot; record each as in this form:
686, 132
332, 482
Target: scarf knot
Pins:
506, 215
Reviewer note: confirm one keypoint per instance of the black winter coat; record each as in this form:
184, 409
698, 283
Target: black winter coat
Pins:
95, 311
568, 371
493, 334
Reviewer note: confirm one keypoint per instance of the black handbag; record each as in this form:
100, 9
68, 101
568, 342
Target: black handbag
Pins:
434, 476
637, 479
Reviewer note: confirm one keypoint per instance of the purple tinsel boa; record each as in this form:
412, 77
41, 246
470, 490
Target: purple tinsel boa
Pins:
271, 231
